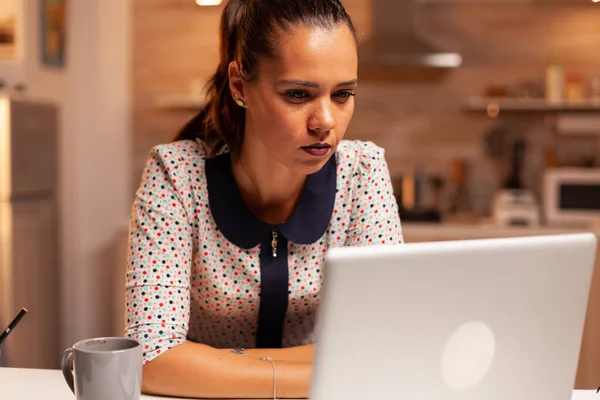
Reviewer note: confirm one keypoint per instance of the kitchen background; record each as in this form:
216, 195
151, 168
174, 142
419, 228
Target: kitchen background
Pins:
502, 43
105, 80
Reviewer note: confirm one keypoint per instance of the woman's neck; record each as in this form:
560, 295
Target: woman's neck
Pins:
269, 189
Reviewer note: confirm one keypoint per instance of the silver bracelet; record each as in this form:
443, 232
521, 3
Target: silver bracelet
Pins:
274, 376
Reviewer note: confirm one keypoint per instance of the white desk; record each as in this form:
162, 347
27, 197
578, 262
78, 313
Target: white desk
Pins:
45, 384
37, 384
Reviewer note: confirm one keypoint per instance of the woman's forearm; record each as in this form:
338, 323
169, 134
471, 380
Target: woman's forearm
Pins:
299, 354
197, 370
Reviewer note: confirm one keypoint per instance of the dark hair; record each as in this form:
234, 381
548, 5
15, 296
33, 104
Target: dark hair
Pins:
248, 31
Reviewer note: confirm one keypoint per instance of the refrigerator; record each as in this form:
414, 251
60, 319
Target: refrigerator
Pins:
29, 232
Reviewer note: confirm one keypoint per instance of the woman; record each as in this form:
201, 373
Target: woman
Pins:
232, 220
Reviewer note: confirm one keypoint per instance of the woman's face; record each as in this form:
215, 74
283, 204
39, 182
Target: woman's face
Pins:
299, 107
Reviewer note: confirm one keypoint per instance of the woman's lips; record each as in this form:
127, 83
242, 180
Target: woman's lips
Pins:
317, 149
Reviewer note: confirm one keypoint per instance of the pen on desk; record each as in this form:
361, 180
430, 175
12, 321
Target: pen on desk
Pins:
13, 324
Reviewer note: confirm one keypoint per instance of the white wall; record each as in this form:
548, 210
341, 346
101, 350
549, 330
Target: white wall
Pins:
93, 93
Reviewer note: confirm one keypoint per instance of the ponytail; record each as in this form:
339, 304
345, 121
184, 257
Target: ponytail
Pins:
221, 122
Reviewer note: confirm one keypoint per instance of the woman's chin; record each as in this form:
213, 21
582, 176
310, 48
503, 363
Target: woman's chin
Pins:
309, 166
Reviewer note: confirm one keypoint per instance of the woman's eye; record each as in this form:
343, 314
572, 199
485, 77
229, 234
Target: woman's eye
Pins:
297, 95
345, 95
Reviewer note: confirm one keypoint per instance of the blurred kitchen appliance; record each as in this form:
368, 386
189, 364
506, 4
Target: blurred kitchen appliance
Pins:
571, 195
29, 257
514, 204
515, 207
418, 196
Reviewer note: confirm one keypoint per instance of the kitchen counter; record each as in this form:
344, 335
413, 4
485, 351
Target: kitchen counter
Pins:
417, 231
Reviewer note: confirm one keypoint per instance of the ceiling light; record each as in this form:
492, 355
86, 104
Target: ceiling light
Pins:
211, 2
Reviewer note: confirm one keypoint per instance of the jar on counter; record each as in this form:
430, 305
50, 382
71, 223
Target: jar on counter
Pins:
574, 89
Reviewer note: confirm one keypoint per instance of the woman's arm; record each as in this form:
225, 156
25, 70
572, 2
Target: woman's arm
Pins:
299, 354
197, 370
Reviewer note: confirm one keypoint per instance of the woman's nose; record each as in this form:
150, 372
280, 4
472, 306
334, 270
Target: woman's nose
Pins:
322, 120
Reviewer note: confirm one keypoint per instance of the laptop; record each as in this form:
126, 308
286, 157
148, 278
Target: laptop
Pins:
489, 319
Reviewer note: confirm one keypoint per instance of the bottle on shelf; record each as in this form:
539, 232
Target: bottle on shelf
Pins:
555, 82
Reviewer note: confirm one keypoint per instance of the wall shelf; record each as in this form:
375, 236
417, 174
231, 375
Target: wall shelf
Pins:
515, 105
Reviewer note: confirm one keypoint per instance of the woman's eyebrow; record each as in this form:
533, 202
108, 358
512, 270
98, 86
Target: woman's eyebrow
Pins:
313, 84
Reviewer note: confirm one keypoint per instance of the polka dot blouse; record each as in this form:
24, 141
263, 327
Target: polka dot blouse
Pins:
202, 267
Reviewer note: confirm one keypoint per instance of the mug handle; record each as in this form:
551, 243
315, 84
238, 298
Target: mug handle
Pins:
66, 365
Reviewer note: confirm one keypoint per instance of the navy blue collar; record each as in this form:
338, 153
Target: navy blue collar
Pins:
307, 224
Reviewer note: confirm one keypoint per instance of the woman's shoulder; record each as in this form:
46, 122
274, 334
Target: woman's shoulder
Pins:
180, 151
360, 156
176, 163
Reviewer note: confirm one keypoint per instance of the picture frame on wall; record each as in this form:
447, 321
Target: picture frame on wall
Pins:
9, 37
53, 29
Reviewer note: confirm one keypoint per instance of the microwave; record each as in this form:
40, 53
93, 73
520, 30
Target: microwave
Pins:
571, 195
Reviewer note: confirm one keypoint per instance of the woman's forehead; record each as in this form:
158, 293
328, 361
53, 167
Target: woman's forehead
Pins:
309, 53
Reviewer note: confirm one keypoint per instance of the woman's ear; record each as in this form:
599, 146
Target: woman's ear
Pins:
236, 84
